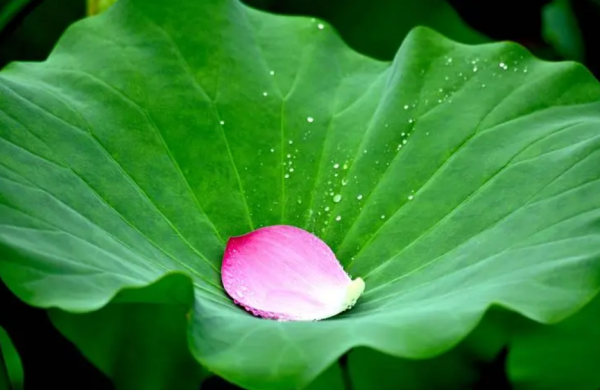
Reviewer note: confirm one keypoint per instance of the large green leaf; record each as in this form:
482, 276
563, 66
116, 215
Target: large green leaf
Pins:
11, 369
468, 177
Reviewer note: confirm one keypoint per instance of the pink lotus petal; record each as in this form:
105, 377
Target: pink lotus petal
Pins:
286, 273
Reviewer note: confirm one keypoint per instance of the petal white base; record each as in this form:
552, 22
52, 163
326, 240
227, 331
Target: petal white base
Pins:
353, 292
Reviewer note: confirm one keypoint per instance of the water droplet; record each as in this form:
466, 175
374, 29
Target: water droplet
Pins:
345, 166
503, 65
291, 169
272, 150
289, 156
410, 120
365, 151
300, 202
337, 198
359, 197
287, 176
474, 69
410, 197
272, 73
290, 142
265, 94
336, 166
403, 134
382, 216
327, 208
406, 106
221, 123
482, 85
404, 142
310, 119
321, 26
338, 218
344, 182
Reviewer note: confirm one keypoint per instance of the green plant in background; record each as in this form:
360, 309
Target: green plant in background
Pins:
11, 370
29, 29
453, 179
95, 7
562, 31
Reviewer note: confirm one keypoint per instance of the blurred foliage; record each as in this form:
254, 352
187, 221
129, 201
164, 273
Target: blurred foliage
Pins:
560, 29
11, 370
152, 320
10, 10
376, 28
49, 360
476, 363
575, 349
35, 28
95, 7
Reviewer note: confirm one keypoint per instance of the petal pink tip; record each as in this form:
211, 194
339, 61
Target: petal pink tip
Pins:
286, 273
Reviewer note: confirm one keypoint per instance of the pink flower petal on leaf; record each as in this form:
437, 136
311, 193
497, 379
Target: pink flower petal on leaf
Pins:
286, 273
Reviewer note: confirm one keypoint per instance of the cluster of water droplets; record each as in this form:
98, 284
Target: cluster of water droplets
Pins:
333, 192
288, 163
